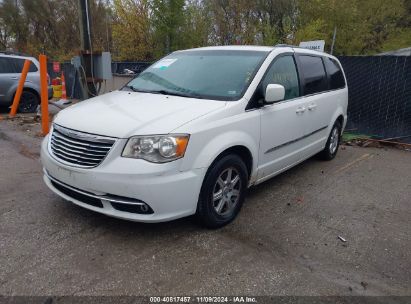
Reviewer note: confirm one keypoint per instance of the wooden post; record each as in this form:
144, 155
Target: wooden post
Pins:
44, 95
17, 96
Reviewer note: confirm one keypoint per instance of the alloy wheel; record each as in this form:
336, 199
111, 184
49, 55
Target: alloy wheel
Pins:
226, 192
334, 140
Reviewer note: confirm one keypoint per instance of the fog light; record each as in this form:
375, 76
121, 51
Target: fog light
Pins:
133, 208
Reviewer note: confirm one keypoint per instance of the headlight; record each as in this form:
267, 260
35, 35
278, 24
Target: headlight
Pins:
156, 148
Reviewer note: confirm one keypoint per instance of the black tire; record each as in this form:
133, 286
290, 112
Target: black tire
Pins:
329, 152
206, 208
28, 102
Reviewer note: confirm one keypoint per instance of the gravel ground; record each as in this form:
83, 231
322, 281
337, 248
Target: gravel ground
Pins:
285, 241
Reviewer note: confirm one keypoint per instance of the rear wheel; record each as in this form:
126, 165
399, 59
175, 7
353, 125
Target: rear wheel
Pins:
223, 191
333, 142
28, 102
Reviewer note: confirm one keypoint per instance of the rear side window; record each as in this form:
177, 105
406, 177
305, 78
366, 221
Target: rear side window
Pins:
283, 71
19, 63
335, 74
14, 65
314, 75
6, 65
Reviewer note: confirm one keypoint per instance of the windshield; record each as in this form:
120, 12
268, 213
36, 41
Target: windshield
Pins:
210, 74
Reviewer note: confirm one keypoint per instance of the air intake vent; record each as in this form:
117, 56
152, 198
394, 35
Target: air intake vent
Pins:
78, 148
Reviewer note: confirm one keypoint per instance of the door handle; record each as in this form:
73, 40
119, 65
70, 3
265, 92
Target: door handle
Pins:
14, 78
300, 110
312, 106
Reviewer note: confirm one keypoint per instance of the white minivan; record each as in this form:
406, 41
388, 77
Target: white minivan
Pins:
193, 131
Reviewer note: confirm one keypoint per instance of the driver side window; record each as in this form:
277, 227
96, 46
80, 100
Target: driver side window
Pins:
284, 72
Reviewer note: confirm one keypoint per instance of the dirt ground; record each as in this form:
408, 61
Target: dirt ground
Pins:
285, 241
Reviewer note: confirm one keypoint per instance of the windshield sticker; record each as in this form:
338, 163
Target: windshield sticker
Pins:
164, 64
232, 92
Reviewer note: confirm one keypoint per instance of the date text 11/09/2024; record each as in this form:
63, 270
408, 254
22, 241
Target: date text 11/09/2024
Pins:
203, 299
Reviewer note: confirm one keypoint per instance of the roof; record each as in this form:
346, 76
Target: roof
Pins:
236, 48
10, 55
296, 49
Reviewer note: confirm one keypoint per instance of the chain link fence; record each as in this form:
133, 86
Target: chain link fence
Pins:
379, 96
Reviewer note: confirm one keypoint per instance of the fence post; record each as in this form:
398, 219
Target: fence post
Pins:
17, 96
44, 95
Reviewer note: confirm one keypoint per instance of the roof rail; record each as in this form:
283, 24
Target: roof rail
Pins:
298, 47
14, 53
288, 45
283, 45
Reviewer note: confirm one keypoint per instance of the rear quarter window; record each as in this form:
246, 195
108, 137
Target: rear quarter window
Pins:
19, 63
335, 74
315, 78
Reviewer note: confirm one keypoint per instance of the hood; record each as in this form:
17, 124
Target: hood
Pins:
123, 114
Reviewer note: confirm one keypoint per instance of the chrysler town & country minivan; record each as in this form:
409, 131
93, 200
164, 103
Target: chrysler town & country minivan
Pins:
193, 131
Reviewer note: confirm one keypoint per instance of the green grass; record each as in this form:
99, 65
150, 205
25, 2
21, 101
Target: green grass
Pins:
347, 136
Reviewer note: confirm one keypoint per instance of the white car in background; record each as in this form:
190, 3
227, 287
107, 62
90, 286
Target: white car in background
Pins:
192, 132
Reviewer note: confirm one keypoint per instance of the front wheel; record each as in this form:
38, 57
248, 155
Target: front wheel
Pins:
222, 193
28, 102
333, 142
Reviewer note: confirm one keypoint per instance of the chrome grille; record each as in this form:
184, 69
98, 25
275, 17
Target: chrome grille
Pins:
78, 148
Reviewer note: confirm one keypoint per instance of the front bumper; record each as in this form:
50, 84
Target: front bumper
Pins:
170, 193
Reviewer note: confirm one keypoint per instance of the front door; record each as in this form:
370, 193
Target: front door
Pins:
282, 125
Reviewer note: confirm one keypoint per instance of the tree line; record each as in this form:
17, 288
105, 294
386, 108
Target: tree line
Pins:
148, 29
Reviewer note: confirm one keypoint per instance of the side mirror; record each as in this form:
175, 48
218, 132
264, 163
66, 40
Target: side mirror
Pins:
273, 93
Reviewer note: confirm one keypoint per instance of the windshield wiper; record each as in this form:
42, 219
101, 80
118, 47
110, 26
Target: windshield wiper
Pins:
131, 88
171, 93
143, 91
163, 92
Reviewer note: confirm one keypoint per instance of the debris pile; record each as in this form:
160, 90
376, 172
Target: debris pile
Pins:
366, 141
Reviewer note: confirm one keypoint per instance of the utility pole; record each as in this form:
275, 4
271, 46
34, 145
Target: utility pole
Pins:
107, 35
84, 25
333, 42
86, 53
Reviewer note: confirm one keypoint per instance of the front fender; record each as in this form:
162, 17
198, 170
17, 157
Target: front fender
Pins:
207, 144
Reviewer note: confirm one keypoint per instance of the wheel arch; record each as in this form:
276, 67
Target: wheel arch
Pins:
26, 89
340, 119
338, 116
243, 152
32, 90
